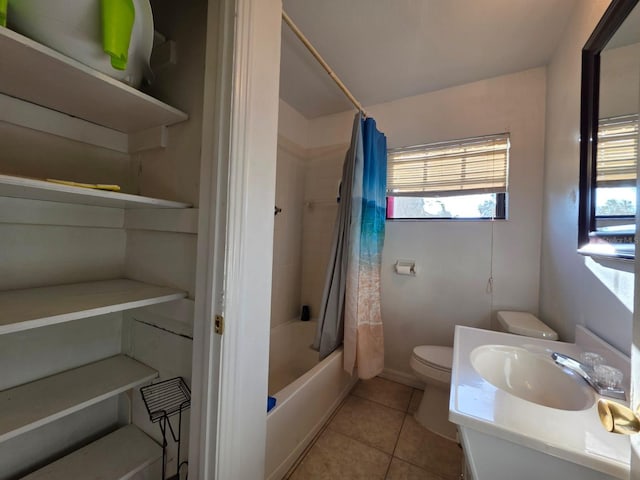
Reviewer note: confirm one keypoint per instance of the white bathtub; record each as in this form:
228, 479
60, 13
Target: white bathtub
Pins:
307, 393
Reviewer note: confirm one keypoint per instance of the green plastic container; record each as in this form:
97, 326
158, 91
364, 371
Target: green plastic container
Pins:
117, 23
3, 13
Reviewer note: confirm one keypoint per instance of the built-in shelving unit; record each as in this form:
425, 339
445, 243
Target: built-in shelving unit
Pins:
37, 74
29, 188
117, 456
37, 307
34, 404
69, 229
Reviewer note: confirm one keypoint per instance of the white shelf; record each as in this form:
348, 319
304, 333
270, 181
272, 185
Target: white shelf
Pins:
21, 187
40, 75
34, 404
37, 307
118, 456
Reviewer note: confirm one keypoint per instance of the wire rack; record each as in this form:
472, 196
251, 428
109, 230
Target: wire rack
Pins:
164, 399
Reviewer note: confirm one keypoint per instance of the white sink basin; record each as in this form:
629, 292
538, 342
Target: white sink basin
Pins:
532, 377
522, 417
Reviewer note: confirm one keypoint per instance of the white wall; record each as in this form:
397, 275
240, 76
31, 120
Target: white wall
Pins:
306, 188
286, 282
287, 233
292, 125
35, 154
174, 172
619, 78
575, 289
323, 175
455, 257
287, 229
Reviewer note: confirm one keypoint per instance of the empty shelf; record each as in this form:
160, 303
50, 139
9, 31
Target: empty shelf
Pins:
33, 189
40, 75
37, 307
118, 456
34, 404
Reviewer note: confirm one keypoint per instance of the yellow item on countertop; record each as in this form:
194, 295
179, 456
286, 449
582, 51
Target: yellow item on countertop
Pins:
95, 186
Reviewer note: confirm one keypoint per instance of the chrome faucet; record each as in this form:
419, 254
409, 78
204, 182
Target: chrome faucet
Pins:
587, 373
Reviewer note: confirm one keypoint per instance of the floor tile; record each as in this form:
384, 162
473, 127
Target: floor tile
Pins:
419, 446
368, 422
386, 392
401, 470
416, 398
338, 457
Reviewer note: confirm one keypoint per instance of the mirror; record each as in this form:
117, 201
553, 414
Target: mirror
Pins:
609, 133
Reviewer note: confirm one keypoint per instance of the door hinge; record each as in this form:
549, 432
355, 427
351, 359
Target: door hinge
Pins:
219, 324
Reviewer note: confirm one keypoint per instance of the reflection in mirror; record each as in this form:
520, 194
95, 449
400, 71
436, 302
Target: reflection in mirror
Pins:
617, 149
609, 211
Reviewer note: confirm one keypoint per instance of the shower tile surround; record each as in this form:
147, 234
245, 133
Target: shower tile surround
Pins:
373, 435
287, 236
307, 183
322, 178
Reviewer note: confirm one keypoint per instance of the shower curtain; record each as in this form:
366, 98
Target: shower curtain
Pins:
350, 308
330, 330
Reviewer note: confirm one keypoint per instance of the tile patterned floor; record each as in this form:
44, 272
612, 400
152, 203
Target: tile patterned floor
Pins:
373, 436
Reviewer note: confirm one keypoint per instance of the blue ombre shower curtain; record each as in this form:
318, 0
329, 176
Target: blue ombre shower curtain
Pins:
363, 335
350, 307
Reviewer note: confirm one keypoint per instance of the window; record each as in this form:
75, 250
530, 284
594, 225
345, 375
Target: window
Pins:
461, 179
616, 167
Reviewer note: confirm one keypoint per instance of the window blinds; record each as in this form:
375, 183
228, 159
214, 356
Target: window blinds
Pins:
617, 151
473, 165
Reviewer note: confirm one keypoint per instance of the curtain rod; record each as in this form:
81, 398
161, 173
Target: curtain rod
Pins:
322, 62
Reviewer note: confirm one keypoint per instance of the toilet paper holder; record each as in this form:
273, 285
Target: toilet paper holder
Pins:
405, 267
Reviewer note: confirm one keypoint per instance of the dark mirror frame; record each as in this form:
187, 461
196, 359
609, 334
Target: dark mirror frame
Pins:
614, 16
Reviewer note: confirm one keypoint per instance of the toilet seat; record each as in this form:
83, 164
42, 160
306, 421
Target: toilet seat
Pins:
433, 361
434, 356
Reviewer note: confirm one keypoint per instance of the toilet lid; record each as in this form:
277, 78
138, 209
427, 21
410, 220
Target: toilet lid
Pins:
435, 356
524, 323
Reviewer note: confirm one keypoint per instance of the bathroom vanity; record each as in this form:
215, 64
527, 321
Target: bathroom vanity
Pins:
522, 416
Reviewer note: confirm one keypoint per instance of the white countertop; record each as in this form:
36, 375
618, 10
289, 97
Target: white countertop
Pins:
576, 436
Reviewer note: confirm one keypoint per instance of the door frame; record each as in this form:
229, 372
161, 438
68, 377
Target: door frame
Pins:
235, 240
211, 238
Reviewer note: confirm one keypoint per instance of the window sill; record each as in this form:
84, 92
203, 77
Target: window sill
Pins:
618, 256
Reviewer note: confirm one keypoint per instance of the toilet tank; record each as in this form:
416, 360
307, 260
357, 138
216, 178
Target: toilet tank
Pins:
525, 324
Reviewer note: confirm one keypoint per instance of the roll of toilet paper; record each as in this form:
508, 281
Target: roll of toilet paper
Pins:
405, 268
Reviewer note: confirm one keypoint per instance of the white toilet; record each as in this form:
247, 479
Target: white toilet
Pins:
432, 365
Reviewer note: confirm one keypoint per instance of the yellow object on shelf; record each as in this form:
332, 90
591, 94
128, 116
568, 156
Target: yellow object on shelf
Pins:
95, 186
